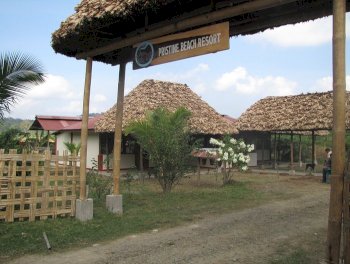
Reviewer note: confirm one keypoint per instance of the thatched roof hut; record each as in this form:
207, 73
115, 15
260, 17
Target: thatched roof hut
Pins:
151, 94
304, 112
98, 23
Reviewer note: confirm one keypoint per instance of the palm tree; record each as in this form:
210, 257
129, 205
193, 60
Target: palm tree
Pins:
17, 72
72, 147
164, 135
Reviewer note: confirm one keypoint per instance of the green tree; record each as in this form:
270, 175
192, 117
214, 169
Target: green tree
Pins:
34, 141
165, 137
17, 73
9, 139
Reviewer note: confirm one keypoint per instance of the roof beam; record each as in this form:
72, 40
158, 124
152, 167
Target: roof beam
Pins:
158, 30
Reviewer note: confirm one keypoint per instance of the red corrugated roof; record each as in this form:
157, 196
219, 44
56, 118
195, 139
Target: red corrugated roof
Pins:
77, 125
59, 117
53, 123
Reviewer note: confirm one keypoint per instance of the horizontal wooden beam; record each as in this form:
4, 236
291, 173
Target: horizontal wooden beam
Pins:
159, 29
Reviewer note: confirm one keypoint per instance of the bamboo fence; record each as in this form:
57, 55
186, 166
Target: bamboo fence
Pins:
37, 186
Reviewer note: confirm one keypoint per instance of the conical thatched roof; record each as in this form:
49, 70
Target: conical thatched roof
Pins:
97, 23
304, 112
151, 94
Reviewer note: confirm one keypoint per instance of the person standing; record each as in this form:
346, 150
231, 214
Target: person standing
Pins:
326, 164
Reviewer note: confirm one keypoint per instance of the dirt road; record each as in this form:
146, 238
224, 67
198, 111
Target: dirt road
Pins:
247, 236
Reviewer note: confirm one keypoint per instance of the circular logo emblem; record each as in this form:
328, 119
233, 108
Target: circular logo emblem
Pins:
144, 54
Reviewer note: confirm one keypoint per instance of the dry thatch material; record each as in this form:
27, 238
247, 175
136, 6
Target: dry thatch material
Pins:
98, 23
151, 94
304, 112
88, 10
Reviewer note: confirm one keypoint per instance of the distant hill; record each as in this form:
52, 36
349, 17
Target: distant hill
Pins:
22, 124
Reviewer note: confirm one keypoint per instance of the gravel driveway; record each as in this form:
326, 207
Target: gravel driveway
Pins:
246, 236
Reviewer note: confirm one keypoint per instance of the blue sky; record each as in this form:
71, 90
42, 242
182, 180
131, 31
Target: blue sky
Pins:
285, 61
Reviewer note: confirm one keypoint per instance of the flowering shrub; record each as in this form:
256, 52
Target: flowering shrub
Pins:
233, 154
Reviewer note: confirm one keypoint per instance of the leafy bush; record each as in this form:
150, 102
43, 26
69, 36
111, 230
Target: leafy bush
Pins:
99, 185
233, 154
164, 135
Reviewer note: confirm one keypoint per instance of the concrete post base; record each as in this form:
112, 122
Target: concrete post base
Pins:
84, 209
114, 203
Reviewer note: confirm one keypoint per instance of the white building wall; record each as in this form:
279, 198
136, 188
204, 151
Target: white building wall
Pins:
93, 149
253, 159
60, 139
92, 145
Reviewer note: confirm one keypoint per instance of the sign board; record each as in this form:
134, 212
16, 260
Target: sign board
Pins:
182, 45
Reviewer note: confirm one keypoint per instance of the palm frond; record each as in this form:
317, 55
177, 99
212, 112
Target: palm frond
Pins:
17, 73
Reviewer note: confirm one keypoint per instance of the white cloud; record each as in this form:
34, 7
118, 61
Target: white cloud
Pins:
230, 78
70, 108
199, 88
242, 82
310, 33
55, 96
183, 76
54, 87
193, 77
326, 84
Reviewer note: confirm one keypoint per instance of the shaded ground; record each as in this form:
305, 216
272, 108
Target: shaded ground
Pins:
253, 235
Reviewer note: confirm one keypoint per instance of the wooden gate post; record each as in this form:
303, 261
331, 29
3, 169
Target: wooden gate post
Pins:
291, 153
313, 154
84, 129
275, 151
338, 157
118, 129
84, 206
300, 149
114, 202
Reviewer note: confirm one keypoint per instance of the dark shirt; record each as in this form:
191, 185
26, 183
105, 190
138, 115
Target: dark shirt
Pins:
327, 163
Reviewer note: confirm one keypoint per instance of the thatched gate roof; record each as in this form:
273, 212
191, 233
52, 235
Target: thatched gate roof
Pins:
150, 94
98, 23
304, 112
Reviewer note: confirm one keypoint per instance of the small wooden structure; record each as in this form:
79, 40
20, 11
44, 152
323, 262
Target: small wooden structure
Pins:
37, 186
151, 94
305, 114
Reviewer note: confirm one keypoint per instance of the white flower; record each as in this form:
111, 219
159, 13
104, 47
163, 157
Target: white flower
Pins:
241, 157
233, 141
220, 151
213, 153
242, 144
214, 141
247, 158
244, 168
250, 148
230, 150
225, 156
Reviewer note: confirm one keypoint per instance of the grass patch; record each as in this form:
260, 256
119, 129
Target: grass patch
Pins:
145, 208
299, 256
309, 250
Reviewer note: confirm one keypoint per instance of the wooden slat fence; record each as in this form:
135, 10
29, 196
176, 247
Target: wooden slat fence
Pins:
37, 186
